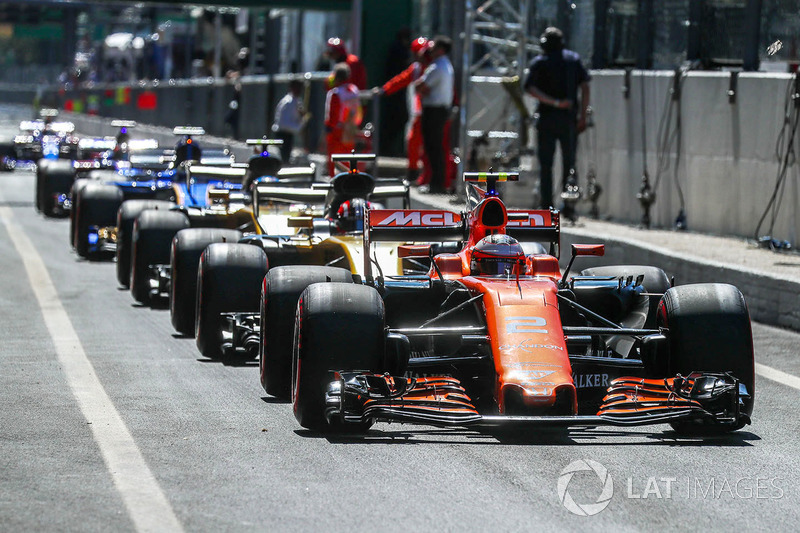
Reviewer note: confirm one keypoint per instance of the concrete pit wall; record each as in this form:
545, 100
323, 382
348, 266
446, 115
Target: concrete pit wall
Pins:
727, 167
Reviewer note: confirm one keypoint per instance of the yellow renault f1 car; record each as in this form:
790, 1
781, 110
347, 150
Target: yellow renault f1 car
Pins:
321, 225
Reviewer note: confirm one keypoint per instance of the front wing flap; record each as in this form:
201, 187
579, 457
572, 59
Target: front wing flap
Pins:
355, 397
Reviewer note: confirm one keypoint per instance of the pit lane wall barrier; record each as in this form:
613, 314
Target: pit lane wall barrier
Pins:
727, 166
724, 148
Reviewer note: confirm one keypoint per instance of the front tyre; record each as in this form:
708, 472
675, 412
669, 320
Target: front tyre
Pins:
339, 327
709, 330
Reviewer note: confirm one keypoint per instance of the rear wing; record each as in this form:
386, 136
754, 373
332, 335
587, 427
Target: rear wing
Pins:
97, 144
391, 188
407, 225
118, 123
265, 191
31, 125
62, 127
297, 174
203, 172
429, 225
540, 225
188, 130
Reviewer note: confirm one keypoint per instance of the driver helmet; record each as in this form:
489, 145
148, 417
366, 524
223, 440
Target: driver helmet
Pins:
350, 215
496, 255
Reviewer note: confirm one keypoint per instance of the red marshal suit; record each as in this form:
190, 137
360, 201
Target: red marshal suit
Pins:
343, 116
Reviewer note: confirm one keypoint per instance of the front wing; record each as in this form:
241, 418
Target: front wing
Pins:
355, 397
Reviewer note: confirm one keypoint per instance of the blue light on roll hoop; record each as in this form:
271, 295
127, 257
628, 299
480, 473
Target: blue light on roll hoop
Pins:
93, 238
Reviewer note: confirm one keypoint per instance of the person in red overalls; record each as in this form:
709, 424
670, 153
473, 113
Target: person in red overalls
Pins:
338, 53
343, 114
421, 51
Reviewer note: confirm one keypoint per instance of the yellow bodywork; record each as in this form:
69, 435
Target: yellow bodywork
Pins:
346, 251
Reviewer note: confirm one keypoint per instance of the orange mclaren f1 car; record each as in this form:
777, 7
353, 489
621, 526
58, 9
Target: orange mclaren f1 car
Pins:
496, 334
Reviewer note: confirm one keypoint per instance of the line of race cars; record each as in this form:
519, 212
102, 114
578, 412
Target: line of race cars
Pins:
361, 312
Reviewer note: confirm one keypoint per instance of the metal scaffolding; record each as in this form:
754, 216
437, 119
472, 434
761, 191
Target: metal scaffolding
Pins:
496, 49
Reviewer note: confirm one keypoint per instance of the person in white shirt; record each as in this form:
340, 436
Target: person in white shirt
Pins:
435, 88
289, 118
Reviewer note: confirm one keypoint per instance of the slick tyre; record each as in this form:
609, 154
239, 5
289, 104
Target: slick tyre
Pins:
655, 283
339, 326
709, 330
75, 191
96, 205
153, 231
184, 258
126, 216
228, 280
38, 194
55, 177
279, 294
8, 156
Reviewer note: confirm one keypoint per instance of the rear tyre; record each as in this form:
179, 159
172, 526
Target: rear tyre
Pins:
95, 205
655, 283
279, 293
8, 156
128, 211
340, 326
75, 192
153, 231
227, 281
55, 177
709, 330
38, 191
187, 247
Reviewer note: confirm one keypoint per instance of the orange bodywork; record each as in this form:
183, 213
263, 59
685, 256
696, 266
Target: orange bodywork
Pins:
522, 314
524, 326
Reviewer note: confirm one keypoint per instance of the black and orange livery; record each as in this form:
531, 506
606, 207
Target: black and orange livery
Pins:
533, 345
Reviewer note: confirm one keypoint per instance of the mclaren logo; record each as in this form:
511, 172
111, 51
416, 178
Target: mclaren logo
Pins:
534, 219
419, 218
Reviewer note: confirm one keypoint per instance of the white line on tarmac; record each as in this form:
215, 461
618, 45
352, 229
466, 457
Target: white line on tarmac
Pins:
147, 505
776, 375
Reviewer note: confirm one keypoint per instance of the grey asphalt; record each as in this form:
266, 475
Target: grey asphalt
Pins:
230, 459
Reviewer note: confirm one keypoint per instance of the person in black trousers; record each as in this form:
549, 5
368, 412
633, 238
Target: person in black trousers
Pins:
435, 88
554, 79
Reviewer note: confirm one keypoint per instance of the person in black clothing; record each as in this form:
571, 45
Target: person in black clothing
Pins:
394, 109
554, 79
